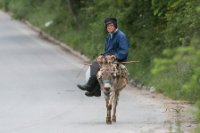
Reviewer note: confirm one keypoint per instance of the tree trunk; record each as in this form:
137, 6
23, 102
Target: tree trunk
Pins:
72, 5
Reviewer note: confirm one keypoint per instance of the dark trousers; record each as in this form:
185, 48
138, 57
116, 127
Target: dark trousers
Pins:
94, 68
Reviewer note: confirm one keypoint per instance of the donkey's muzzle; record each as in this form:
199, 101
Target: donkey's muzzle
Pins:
106, 84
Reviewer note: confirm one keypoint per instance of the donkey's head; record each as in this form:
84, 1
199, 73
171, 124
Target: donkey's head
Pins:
107, 74
108, 70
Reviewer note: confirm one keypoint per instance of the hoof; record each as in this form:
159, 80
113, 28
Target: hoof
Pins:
113, 119
108, 120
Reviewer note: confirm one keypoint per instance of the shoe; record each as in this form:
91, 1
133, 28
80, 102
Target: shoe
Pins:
96, 92
90, 94
83, 87
90, 85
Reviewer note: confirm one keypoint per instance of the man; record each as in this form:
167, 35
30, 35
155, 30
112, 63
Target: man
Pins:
116, 43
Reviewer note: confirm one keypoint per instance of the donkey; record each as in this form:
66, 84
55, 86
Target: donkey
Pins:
112, 77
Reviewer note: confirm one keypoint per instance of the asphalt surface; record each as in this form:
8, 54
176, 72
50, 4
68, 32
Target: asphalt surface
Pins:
38, 92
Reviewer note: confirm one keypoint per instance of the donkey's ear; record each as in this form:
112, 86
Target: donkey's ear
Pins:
99, 58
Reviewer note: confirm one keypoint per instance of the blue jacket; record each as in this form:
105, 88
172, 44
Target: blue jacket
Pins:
117, 44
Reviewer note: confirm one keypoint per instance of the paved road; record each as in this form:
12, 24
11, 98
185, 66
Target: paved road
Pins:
38, 92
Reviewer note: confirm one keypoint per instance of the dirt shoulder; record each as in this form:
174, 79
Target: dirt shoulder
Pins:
180, 114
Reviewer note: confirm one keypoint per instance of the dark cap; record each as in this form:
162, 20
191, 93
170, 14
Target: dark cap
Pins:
110, 20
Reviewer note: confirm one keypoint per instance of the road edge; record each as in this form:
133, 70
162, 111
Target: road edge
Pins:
53, 40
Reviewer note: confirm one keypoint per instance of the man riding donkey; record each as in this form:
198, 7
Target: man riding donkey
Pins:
116, 44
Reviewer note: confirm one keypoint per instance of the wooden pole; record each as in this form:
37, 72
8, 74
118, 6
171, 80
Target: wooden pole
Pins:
127, 62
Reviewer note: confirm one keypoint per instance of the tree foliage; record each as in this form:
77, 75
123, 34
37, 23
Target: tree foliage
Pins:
181, 56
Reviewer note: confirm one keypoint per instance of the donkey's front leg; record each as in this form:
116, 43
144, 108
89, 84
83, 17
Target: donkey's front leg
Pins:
109, 107
108, 118
115, 102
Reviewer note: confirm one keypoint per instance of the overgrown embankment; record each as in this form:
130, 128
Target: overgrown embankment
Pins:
163, 36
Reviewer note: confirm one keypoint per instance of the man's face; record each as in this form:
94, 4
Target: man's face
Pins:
110, 28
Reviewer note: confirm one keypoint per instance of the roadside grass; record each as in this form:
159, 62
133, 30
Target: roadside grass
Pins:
171, 82
198, 111
197, 130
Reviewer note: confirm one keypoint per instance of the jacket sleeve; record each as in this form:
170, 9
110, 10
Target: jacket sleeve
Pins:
122, 51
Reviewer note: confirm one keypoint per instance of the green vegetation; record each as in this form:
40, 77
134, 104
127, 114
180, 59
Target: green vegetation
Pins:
163, 35
197, 130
